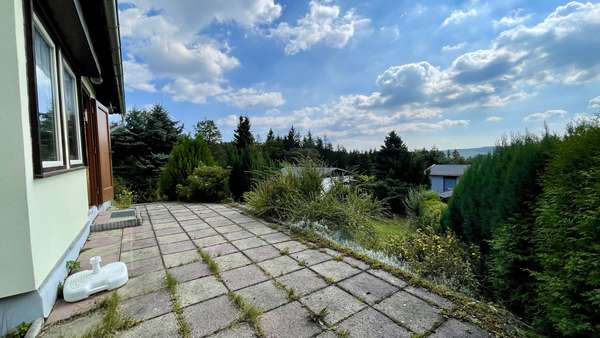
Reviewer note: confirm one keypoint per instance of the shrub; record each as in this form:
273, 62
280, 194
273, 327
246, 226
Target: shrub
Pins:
344, 209
439, 257
205, 184
424, 208
273, 196
188, 154
295, 194
123, 196
567, 236
392, 193
493, 207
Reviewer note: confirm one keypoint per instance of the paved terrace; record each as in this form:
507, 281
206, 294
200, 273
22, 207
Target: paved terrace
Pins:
252, 255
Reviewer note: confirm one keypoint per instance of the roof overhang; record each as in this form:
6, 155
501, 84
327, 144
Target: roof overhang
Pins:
68, 18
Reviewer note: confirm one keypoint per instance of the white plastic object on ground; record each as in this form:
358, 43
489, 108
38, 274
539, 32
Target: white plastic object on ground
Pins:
82, 284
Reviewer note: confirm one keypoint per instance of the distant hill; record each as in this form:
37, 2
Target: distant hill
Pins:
472, 152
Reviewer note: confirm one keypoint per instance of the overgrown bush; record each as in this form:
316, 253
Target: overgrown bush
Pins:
123, 196
205, 184
567, 236
392, 193
188, 154
295, 194
424, 208
344, 209
439, 257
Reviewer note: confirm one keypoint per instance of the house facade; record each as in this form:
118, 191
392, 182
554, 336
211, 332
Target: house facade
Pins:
61, 78
444, 177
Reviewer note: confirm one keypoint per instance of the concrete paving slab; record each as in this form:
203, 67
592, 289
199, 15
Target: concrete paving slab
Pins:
190, 271
372, 324
248, 243
368, 288
430, 297
210, 241
262, 253
159, 327
181, 258
265, 296
210, 316
310, 256
176, 247
241, 277
237, 331
339, 304
135, 255
148, 306
303, 281
453, 328
411, 311
335, 270
280, 265
198, 290
276, 237
388, 277
288, 321
290, 246
232, 261
232, 236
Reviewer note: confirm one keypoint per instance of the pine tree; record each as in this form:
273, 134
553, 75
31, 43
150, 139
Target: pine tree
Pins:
141, 147
209, 131
242, 136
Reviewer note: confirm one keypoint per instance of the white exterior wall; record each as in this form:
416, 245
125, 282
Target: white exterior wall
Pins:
41, 217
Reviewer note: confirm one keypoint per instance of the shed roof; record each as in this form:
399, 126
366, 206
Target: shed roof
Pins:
447, 169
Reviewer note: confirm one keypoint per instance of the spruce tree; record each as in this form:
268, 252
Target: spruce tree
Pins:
242, 136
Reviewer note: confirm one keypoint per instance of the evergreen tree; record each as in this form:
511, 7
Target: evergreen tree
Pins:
208, 130
141, 147
242, 136
270, 136
188, 154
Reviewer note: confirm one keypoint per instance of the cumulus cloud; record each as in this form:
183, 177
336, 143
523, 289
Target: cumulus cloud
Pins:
138, 76
520, 61
453, 48
515, 18
595, 103
323, 24
544, 116
166, 40
458, 16
183, 89
493, 119
250, 97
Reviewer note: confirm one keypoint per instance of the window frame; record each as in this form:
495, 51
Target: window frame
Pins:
38, 26
64, 66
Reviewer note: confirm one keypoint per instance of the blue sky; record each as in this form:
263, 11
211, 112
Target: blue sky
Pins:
451, 74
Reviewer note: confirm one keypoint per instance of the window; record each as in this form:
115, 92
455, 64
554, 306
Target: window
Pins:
71, 112
47, 92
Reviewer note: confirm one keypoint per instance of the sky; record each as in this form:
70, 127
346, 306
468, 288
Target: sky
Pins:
449, 74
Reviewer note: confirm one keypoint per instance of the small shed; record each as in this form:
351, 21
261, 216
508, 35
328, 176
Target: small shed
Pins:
444, 177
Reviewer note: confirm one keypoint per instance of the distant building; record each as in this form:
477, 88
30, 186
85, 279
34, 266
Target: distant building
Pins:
444, 177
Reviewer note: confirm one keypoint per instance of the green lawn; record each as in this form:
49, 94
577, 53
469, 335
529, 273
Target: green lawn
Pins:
392, 226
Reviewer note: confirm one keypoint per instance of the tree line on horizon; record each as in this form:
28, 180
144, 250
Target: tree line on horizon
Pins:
142, 143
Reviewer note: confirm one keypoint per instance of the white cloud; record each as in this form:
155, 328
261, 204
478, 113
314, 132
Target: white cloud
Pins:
453, 48
250, 97
513, 19
166, 41
183, 89
323, 24
595, 103
493, 119
458, 16
138, 76
520, 61
543, 116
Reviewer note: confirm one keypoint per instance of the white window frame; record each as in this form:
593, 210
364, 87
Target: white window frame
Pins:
38, 26
64, 66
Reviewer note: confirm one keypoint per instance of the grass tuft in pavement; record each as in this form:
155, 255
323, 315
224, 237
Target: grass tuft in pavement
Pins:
114, 320
250, 313
183, 328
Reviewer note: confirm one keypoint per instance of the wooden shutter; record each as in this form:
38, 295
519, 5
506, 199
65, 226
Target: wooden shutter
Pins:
104, 154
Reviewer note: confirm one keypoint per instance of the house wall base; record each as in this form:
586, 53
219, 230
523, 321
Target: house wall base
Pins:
29, 306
